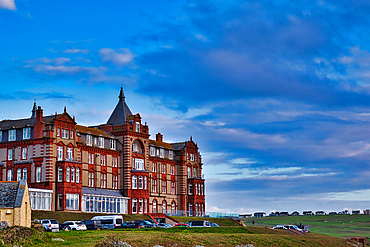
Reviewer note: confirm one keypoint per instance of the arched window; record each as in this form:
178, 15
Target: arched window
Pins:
78, 175
141, 182
19, 174
189, 172
134, 182
134, 206
68, 174
145, 206
173, 208
137, 147
145, 183
73, 175
60, 174
164, 207
140, 206
154, 206
190, 189
25, 173
194, 172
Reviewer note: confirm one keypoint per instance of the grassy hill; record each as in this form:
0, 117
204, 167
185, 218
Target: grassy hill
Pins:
333, 225
222, 236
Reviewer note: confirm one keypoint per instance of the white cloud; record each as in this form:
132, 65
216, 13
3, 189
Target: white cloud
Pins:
212, 123
120, 57
356, 195
201, 37
8, 4
61, 69
74, 50
58, 60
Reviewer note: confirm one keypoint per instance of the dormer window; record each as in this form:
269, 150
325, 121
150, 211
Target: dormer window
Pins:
88, 140
162, 153
170, 154
112, 144
152, 151
101, 142
26, 133
12, 135
137, 127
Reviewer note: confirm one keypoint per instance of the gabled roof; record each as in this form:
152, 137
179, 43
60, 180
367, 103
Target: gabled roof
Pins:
11, 193
161, 144
118, 116
21, 123
178, 145
92, 131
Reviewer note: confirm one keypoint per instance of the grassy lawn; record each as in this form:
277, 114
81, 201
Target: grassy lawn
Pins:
333, 225
223, 236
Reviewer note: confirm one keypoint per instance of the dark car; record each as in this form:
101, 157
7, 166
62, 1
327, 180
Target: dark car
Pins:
145, 223
92, 224
181, 225
64, 227
132, 224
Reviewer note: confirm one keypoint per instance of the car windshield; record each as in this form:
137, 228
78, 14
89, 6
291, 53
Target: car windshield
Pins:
45, 222
54, 222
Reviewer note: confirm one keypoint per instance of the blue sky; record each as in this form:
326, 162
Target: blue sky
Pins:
275, 93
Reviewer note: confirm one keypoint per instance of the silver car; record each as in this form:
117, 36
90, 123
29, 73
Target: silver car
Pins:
50, 225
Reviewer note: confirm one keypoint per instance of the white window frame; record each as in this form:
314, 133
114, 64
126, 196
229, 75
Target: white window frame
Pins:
134, 206
113, 144
141, 181
194, 172
91, 179
58, 131
72, 201
25, 173
161, 155
189, 172
88, 140
164, 169
38, 174
170, 154
72, 135
26, 133
114, 161
137, 126
10, 154
103, 159
60, 153
139, 164
115, 182
19, 174
173, 170
154, 206
134, 182
68, 174
164, 207
152, 151
101, 142
77, 175
69, 153
9, 175
141, 206
60, 174
24, 153
154, 167
12, 135
73, 175
164, 187
190, 189
65, 133
173, 188
154, 186
145, 183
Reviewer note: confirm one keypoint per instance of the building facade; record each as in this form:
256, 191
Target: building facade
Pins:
109, 168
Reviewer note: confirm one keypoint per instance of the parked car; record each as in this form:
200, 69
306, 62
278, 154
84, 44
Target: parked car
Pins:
199, 223
287, 227
64, 227
109, 221
181, 225
131, 224
164, 225
214, 224
50, 225
76, 225
145, 223
92, 224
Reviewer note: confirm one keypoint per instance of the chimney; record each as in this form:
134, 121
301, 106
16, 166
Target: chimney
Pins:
39, 124
159, 137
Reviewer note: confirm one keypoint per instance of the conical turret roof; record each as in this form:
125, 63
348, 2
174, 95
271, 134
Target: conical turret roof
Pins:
118, 116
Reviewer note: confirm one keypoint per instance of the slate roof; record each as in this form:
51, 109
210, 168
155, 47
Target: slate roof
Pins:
11, 193
161, 144
92, 131
21, 123
178, 145
118, 116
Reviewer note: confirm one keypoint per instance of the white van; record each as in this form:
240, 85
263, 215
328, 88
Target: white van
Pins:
109, 221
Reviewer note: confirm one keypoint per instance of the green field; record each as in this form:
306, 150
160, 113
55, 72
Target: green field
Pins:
343, 226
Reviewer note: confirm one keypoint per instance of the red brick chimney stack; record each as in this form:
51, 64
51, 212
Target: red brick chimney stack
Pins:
159, 137
39, 124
